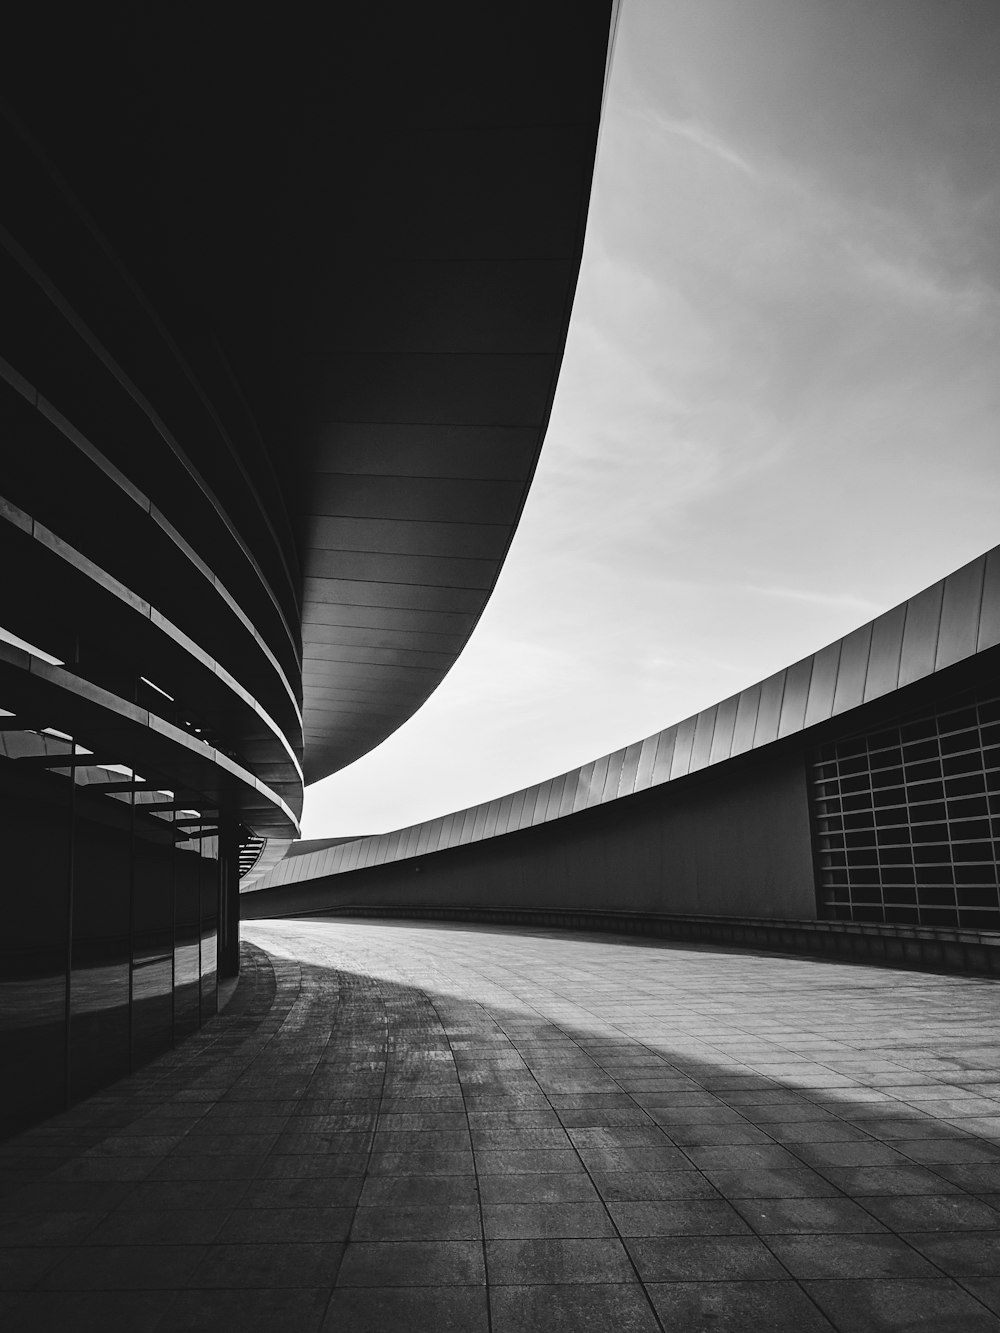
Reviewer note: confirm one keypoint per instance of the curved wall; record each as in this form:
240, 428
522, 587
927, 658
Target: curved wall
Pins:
284, 309
951, 622
149, 661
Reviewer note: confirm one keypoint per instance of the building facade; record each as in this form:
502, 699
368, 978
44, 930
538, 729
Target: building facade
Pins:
859, 786
284, 308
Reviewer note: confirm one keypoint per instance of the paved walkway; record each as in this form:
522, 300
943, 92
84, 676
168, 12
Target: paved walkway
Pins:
484, 1130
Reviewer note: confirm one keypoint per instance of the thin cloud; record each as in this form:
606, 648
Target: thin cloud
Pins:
702, 137
776, 415
847, 601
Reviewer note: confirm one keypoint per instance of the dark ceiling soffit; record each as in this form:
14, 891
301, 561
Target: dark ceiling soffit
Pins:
146, 740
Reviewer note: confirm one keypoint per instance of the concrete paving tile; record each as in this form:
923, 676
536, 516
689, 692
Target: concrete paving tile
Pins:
318, 1142
125, 1268
407, 1310
311, 1164
862, 1181
736, 1134
274, 1225
420, 1163
415, 1121
86, 1312
226, 1144
619, 1136
591, 1100
501, 1138
512, 1161
976, 1178
589, 1308
603, 1117
302, 1192
405, 1191
513, 1221
65, 1196
863, 1153
985, 1289
688, 1115
970, 1254
703, 1259
24, 1267
441, 1263
640, 1186
171, 1226
966, 1149
538, 1118
776, 1217
896, 1131
208, 1167
157, 1195
552, 1261
141, 1145
106, 1168
678, 1217
894, 1306
421, 1140
638, 1046
500, 1098
948, 1212
220, 1120
281, 1311
849, 1256
818, 1132
742, 1157
47, 1228
538, 1187
660, 1158
736, 1307
251, 1265
437, 1221
785, 1113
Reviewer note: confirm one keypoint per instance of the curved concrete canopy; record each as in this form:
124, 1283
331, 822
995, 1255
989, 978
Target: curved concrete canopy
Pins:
360, 229
439, 192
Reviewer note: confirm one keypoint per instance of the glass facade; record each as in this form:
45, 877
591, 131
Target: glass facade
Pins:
907, 820
111, 948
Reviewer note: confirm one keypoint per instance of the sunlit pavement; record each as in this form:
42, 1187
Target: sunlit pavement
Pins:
422, 1127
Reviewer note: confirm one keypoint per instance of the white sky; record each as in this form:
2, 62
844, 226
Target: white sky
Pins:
778, 410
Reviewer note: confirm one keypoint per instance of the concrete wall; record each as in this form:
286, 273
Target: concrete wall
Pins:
733, 841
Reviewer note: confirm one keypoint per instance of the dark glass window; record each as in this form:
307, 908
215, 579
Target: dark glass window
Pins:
928, 793
920, 750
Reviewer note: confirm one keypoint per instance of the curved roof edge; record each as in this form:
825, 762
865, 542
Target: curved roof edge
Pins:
946, 623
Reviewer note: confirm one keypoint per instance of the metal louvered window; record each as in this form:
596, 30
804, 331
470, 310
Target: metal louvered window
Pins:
907, 820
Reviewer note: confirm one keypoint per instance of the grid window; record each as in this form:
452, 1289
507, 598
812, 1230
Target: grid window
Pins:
908, 821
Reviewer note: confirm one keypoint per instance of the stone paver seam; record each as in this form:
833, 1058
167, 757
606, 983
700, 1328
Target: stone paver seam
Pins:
586, 1169
860, 1201
634, 1041
305, 1093
614, 1224
282, 976
804, 1092
475, 1163
546, 1022
375, 988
